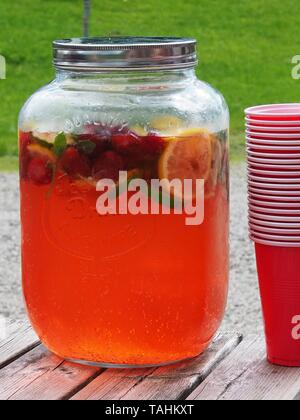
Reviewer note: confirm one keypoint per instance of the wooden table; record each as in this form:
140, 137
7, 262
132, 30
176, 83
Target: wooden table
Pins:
232, 369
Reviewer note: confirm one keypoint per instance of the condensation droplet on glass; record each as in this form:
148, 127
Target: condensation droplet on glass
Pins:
69, 126
77, 122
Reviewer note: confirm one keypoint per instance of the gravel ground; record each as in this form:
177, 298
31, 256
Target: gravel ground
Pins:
243, 312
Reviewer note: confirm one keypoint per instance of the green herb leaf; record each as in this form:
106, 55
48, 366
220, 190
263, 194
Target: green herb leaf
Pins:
87, 147
60, 144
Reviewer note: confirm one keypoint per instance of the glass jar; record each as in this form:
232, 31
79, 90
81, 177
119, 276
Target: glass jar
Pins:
124, 203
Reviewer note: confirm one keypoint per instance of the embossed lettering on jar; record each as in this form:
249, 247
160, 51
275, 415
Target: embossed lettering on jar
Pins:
123, 289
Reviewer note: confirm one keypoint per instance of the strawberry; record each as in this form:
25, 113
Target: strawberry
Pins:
101, 136
75, 163
152, 145
40, 171
24, 142
138, 150
108, 165
25, 139
102, 143
127, 144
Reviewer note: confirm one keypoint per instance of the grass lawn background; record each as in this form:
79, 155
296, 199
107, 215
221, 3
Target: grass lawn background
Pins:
245, 48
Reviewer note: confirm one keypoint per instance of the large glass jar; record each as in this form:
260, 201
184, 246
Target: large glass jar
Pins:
125, 254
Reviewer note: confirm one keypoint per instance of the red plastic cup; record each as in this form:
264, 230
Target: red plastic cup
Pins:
273, 167
274, 243
272, 136
279, 274
273, 150
285, 187
256, 160
274, 112
254, 164
283, 218
268, 123
274, 174
275, 211
274, 180
272, 224
268, 142
272, 155
285, 199
272, 129
275, 237
267, 201
266, 149
281, 194
273, 231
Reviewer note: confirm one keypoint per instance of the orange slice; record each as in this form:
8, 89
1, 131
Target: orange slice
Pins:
216, 166
187, 157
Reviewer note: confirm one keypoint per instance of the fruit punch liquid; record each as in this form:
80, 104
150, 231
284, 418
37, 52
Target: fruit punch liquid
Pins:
128, 289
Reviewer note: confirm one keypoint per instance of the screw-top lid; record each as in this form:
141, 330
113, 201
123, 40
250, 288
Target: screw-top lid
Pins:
125, 53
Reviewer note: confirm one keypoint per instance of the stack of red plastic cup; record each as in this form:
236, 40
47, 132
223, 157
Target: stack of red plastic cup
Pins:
273, 153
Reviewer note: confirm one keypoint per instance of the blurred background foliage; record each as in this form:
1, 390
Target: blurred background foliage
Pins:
245, 48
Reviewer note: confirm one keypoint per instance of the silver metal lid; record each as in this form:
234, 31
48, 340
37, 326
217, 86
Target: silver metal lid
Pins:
125, 53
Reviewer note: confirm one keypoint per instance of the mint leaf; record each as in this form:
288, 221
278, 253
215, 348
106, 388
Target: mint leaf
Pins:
60, 144
87, 147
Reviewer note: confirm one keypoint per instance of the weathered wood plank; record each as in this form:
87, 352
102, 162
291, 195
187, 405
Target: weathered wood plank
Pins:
171, 382
39, 375
19, 339
246, 375
112, 384
167, 383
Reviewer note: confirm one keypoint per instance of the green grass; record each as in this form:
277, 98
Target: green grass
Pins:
8, 163
245, 47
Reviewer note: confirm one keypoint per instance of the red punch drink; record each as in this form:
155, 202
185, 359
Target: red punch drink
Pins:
116, 288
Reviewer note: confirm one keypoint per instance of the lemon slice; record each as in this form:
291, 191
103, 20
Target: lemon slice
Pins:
139, 130
37, 150
50, 137
187, 157
167, 124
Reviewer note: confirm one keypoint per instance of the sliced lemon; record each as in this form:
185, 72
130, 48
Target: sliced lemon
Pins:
50, 137
187, 157
38, 150
47, 137
139, 130
167, 124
